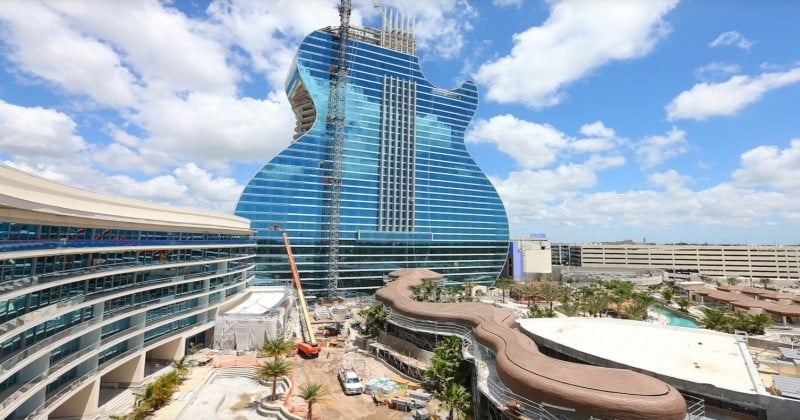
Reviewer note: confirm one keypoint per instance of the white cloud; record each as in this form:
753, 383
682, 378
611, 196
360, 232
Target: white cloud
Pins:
217, 129
769, 166
168, 51
43, 44
600, 162
731, 38
597, 129
506, 3
578, 37
37, 132
706, 100
532, 145
655, 150
715, 71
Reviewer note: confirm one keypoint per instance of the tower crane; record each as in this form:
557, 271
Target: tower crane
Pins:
335, 131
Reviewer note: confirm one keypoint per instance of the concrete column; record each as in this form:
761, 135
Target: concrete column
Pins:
171, 350
81, 405
129, 372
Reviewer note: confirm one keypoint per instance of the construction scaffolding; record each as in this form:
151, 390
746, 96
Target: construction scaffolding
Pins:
262, 317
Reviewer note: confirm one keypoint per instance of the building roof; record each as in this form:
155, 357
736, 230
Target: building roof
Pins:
25, 198
260, 301
689, 354
600, 391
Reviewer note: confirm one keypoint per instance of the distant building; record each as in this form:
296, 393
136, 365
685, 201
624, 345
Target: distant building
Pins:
750, 262
530, 258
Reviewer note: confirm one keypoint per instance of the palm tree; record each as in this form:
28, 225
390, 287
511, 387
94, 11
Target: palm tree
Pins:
374, 318
732, 280
765, 282
504, 283
637, 310
716, 319
548, 291
454, 397
469, 287
596, 303
277, 347
528, 291
273, 370
313, 393
683, 303
447, 365
181, 366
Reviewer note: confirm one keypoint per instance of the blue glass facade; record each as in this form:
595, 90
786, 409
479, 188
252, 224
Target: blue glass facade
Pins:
411, 194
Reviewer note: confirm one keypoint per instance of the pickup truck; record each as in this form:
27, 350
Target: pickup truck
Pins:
350, 381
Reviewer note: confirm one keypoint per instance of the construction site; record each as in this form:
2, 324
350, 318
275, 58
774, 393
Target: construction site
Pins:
223, 384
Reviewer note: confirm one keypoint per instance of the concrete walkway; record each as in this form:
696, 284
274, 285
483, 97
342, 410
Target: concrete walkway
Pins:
190, 386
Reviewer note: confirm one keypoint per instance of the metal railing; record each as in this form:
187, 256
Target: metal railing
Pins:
695, 407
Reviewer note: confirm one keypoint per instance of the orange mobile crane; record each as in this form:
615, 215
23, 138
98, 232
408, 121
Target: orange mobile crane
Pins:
308, 346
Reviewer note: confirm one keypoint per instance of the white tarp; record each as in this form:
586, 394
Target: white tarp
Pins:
262, 316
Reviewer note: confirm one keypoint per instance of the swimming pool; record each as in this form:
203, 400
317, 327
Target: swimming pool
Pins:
675, 319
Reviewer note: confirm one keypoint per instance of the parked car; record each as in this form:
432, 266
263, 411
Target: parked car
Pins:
350, 381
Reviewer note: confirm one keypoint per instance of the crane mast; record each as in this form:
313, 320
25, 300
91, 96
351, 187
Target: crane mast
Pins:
335, 130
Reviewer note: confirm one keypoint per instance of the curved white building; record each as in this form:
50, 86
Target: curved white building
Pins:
94, 288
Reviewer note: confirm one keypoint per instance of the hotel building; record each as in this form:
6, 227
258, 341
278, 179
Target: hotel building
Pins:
398, 190
93, 288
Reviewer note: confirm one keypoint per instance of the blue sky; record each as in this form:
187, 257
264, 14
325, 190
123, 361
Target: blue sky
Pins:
599, 121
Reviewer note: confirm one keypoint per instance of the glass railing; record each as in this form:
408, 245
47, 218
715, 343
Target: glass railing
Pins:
30, 245
11, 362
104, 268
48, 311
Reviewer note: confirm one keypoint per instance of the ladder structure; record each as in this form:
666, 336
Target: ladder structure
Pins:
335, 130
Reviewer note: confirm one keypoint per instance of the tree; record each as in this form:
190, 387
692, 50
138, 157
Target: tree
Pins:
683, 303
667, 293
537, 312
765, 282
504, 284
274, 369
596, 303
182, 367
277, 347
548, 291
732, 280
447, 365
454, 397
715, 319
374, 318
637, 309
313, 393
569, 308
469, 287
752, 323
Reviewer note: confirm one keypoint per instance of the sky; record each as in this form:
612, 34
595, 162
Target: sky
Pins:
652, 120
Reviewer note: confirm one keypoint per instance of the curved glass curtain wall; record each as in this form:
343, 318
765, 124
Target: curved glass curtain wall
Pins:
412, 196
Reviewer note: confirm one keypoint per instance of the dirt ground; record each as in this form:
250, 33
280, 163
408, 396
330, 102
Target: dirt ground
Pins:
340, 406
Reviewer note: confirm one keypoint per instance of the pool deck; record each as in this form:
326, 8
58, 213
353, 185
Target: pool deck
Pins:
685, 354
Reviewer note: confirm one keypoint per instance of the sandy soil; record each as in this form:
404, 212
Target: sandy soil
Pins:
340, 406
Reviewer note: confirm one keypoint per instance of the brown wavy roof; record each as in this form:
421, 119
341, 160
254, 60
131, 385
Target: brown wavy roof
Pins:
601, 392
